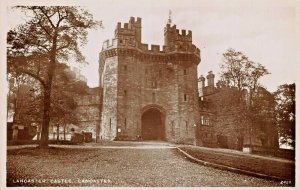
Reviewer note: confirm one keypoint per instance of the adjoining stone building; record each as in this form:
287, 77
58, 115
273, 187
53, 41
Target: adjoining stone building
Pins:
87, 117
224, 122
149, 93
88, 112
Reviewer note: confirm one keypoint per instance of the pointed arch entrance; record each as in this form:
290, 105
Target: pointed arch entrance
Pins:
153, 123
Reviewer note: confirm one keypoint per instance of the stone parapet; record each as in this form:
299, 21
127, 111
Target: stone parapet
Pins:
150, 49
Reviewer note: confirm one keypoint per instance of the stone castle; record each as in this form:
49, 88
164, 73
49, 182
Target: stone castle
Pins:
154, 94
149, 93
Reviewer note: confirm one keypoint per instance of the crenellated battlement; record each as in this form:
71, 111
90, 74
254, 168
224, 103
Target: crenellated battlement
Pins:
146, 48
149, 48
179, 33
128, 36
175, 36
130, 25
132, 29
109, 44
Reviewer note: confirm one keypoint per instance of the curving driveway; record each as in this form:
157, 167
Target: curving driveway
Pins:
129, 164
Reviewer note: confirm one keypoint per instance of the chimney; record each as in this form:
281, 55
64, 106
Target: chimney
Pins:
201, 85
201, 82
210, 79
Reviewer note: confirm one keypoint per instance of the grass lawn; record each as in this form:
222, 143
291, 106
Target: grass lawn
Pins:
281, 168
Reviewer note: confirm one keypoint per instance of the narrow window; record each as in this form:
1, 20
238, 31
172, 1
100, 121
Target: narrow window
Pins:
207, 121
125, 93
185, 97
110, 123
160, 73
184, 72
186, 127
202, 120
125, 123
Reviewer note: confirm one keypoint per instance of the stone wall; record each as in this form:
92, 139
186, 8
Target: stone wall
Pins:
136, 79
109, 106
225, 122
228, 125
87, 111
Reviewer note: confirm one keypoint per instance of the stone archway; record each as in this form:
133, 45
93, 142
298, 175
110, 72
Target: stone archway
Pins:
153, 126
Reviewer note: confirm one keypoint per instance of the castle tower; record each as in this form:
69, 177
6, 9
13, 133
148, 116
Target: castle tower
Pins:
149, 93
131, 32
173, 38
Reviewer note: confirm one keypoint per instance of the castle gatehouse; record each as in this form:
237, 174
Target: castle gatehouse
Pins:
149, 92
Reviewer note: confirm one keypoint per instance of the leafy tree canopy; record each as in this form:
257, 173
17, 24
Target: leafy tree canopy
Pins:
285, 112
237, 70
51, 35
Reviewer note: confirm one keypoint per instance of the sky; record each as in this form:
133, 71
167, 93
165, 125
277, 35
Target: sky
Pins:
265, 31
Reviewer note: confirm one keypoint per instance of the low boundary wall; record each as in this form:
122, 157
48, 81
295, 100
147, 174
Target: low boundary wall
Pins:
267, 167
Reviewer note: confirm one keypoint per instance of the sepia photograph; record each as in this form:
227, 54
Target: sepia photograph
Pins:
148, 93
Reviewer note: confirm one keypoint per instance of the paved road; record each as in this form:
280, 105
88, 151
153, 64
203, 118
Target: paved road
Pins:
154, 165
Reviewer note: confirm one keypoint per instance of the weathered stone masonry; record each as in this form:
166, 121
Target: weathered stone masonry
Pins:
223, 123
149, 93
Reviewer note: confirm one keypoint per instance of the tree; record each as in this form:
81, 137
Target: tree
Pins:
263, 115
285, 113
238, 71
231, 113
63, 104
49, 36
24, 100
233, 69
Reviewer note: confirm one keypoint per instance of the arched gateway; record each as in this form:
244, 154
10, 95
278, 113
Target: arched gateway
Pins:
153, 123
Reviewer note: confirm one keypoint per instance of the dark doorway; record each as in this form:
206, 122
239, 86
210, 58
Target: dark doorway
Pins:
222, 141
152, 125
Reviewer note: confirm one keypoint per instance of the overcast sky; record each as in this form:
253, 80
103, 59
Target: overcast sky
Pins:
265, 31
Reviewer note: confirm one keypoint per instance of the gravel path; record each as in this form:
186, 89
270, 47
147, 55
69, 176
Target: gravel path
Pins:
116, 167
